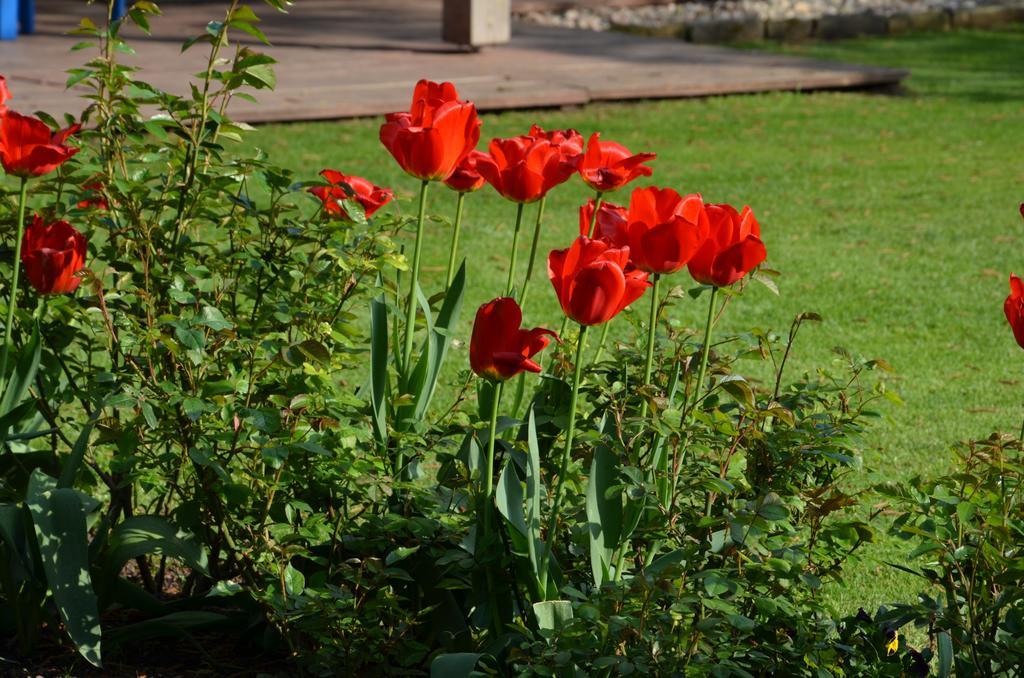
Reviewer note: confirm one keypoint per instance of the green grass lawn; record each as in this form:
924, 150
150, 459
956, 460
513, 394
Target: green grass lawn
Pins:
894, 217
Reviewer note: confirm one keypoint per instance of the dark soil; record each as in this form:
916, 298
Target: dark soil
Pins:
195, 656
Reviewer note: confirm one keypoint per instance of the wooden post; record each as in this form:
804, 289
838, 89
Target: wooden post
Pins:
477, 23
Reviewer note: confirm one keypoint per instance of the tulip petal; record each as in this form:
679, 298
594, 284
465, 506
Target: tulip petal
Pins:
510, 364
738, 260
1013, 308
1016, 287
667, 247
596, 293
535, 340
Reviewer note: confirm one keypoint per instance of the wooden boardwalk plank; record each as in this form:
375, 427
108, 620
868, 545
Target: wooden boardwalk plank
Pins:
350, 58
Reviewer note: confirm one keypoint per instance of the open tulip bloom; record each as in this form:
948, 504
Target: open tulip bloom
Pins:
523, 169
610, 225
348, 186
52, 255
593, 282
430, 139
569, 142
665, 229
732, 249
607, 166
29, 148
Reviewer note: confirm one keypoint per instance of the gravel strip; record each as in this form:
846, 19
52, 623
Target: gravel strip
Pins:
652, 16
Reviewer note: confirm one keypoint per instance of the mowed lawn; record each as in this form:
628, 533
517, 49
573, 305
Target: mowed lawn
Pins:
894, 217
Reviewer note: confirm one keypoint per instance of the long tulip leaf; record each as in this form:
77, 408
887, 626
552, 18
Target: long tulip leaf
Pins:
509, 497
141, 535
604, 512
534, 489
552, 614
415, 383
379, 368
69, 471
447, 318
59, 517
455, 665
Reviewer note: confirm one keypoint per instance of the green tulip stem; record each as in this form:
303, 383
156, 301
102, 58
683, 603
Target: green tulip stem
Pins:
533, 252
652, 327
563, 466
598, 197
489, 468
410, 318
705, 349
488, 506
12, 302
455, 241
600, 342
698, 387
515, 248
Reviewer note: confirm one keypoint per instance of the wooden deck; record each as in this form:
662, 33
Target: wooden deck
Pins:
350, 58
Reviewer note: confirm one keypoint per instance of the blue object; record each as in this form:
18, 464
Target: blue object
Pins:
27, 16
19, 16
9, 19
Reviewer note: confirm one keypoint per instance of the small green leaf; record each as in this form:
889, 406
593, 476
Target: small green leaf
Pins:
261, 76
214, 319
400, 553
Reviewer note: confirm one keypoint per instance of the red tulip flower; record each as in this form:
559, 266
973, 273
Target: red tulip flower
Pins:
665, 229
5, 94
607, 165
52, 255
437, 132
611, 225
92, 197
28, 148
371, 197
499, 348
569, 142
592, 282
733, 247
1013, 307
466, 177
523, 169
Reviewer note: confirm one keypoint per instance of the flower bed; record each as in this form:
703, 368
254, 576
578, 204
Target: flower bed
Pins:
225, 371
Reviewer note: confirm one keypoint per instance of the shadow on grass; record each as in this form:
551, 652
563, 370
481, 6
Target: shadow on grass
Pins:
980, 66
